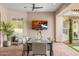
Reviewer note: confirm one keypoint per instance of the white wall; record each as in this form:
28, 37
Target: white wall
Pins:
59, 28
40, 16
28, 17
3, 13
8, 14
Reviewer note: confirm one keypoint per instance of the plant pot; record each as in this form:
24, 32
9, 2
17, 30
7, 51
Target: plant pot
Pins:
7, 43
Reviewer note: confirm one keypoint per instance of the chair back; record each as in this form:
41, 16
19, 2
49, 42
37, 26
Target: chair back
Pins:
39, 48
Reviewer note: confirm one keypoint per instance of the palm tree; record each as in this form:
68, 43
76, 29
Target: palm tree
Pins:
7, 29
70, 31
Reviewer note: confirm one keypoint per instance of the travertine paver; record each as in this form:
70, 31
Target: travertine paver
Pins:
14, 50
61, 49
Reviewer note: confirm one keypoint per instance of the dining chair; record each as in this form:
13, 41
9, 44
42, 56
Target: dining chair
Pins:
26, 47
39, 49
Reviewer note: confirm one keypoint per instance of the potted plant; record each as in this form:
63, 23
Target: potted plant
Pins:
8, 31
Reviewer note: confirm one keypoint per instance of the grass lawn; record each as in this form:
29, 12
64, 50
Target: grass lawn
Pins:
74, 47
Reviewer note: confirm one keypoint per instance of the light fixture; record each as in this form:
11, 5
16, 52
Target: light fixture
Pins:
33, 7
75, 12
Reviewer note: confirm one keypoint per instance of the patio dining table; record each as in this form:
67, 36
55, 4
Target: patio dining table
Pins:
29, 42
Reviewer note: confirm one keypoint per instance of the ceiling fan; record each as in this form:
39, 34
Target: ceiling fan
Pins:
34, 7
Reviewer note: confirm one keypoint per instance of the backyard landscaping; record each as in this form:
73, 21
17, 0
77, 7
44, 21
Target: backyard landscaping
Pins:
75, 47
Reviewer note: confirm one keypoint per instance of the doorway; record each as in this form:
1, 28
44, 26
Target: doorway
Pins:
18, 29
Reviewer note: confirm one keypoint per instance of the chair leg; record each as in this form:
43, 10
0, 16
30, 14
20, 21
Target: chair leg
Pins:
23, 53
39, 54
33, 54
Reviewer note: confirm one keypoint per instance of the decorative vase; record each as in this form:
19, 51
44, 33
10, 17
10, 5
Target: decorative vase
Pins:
39, 35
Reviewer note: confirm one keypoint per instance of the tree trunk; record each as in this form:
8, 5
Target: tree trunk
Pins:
70, 31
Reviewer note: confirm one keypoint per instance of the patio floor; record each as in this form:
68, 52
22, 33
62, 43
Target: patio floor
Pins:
61, 49
14, 50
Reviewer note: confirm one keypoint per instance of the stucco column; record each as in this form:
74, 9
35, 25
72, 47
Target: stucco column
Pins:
1, 39
54, 14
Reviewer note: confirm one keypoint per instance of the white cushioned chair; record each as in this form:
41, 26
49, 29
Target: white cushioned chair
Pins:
39, 49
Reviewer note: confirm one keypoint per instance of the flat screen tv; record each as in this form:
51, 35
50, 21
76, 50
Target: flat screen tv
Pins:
39, 24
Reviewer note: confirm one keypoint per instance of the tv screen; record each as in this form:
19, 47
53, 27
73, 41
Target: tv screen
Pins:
39, 25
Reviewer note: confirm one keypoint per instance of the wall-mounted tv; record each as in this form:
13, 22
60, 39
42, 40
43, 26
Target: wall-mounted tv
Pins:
39, 24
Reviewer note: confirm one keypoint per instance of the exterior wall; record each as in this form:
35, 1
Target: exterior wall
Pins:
60, 37
3, 17
3, 13
41, 16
